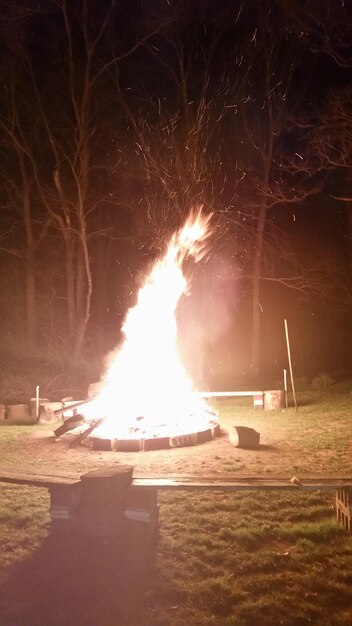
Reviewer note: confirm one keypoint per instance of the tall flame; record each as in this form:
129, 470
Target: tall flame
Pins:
145, 381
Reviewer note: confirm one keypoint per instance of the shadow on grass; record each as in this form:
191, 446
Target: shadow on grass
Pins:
71, 581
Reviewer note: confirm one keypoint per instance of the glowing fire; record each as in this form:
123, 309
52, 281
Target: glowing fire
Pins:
146, 388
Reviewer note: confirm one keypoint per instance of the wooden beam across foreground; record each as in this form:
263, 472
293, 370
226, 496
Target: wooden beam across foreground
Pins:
95, 503
227, 482
242, 482
28, 476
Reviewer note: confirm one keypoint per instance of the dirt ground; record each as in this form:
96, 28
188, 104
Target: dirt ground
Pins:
279, 451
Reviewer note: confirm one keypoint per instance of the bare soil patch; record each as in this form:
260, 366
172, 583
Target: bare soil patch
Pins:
287, 445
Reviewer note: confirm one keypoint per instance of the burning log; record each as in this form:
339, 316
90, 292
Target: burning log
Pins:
72, 406
87, 432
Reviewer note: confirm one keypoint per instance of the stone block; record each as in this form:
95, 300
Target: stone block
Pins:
64, 507
156, 443
46, 411
244, 437
101, 443
128, 445
103, 501
17, 412
258, 401
274, 400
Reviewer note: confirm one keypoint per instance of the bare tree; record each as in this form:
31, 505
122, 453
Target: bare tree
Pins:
272, 54
61, 159
329, 151
221, 140
16, 172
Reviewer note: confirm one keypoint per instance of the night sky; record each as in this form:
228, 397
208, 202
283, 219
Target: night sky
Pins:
118, 118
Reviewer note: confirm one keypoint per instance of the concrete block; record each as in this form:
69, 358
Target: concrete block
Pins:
46, 411
103, 500
274, 399
17, 412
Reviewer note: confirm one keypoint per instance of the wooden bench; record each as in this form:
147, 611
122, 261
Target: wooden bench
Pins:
258, 396
93, 502
342, 485
97, 501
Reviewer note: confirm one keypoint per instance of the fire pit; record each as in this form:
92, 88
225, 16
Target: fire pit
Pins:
142, 442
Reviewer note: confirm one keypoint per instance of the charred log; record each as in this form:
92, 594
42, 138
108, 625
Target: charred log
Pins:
70, 424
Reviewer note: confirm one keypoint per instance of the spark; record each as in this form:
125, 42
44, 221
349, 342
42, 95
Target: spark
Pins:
254, 38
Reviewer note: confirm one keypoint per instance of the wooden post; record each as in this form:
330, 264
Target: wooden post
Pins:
344, 508
103, 500
290, 364
285, 387
37, 402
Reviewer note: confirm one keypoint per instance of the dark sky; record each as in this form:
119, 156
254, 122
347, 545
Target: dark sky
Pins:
202, 95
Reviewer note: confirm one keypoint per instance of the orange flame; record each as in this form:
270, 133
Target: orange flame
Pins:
146, 384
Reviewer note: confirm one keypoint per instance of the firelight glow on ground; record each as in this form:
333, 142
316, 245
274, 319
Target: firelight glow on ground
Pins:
147, 391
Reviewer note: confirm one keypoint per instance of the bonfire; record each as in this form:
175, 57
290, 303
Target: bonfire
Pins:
146, 391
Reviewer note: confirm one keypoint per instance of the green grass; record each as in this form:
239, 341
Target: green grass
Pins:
222, 559
250, 559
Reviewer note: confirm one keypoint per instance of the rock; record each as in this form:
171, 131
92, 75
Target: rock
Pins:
244, 437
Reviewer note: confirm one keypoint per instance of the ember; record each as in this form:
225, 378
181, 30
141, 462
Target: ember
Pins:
147, 397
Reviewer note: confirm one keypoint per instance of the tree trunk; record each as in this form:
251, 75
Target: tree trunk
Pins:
349, 231
31, 320
86, 281
256, 292
70, 283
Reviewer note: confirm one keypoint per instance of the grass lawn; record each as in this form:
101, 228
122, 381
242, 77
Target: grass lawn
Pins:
220, 559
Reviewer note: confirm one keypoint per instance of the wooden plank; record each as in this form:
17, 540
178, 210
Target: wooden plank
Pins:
70, 424
72, 405
87, 432
28, 476
25, 475
235, 483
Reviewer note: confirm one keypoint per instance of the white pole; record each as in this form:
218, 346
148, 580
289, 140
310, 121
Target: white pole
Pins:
285, 387
37, 401
290, 364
